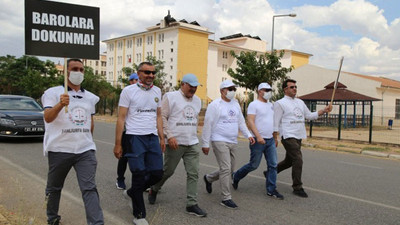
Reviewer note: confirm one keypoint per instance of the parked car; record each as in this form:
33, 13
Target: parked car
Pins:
20, 116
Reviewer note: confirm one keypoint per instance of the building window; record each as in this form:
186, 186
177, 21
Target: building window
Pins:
397, 109
129, 44
139, 42
119, 45
97, 72
97, 63
162, 54
224, 67
172, 59
149, 40
171, 67
224, 55
129, 58
111, 47
103, 63
172, 50
172, 42
161, 37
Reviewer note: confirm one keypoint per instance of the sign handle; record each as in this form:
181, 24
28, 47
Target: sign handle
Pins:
336, 82
65, 81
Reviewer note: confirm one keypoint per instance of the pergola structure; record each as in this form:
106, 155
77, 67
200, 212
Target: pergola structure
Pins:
342, 97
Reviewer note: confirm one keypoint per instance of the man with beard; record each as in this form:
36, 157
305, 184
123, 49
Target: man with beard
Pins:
180, 110
140, 111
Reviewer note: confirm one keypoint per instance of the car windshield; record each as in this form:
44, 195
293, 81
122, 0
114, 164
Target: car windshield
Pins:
19, 104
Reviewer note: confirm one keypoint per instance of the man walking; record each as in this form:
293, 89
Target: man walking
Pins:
222, 123
123, 161
180, 110
68, 143
289, 118
260, 117
140, 111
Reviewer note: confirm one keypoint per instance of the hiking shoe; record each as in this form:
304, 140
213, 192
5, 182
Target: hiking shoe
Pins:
235, 184
54, 222
152, 196
120, 184
208, 185
127, 197
229, 204
141, 221
195, 210
300, 193
275, 194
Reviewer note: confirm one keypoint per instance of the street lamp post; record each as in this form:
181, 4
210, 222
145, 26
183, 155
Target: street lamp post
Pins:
273, 21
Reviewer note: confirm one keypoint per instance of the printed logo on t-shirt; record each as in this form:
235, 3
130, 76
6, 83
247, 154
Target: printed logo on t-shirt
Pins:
156, 99
232, 117
78, 116
298, 113
189, 113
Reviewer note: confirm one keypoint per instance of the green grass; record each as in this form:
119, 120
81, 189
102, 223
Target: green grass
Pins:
377, 149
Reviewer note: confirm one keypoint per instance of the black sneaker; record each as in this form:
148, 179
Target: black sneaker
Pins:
275, 194
120, 184
54, 222
152, 196
208, 184
229, 204
195, 210
300, 193
235, 184
265, 172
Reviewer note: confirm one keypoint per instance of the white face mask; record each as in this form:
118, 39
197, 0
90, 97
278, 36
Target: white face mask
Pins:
75, 77
267, 95
230, 95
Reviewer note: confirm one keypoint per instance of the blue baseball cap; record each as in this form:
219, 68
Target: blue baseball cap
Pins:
133, 76
190, 79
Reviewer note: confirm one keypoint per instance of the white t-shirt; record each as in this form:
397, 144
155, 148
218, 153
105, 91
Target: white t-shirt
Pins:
264, 117
182, 117
227, 127
142, 109
69, 132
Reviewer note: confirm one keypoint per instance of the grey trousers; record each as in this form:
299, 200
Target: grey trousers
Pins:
85, 165
225, 155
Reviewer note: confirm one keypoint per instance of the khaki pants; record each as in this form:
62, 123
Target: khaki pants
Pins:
225, 155
190, 156
294, 159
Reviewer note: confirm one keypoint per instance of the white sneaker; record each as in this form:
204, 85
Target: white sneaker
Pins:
127, 197
142, 221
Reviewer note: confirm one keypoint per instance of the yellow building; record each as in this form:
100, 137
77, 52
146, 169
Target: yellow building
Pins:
180, 44
185, 48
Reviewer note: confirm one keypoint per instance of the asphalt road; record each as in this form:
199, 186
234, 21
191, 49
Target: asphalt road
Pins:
343, 189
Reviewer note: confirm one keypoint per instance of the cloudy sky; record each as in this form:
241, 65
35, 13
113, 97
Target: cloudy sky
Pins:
365, 32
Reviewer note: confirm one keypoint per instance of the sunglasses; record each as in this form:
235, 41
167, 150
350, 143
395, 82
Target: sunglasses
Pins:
292, 87
266, 90
231, 89
148, 72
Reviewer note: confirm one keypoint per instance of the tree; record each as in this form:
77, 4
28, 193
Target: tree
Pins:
252, 69
26, 75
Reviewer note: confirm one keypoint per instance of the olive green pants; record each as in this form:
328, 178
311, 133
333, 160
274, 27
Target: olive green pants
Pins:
190, 156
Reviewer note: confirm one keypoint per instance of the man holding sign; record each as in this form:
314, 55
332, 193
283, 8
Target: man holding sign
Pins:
289, 117
68, 143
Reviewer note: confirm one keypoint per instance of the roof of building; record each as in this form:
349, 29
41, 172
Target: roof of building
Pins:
341, 94
227, 45
385, 82
239, 35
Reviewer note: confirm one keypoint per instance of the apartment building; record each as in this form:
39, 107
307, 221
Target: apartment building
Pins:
99, 66
185, 47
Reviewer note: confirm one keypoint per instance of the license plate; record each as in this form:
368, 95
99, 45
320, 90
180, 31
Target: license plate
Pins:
33, 129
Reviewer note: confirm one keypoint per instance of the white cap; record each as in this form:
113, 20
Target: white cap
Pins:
264, 86
226, 83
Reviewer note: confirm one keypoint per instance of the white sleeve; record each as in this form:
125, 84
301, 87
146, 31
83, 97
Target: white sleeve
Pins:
208, 124
278, 113
124, 100
49, 99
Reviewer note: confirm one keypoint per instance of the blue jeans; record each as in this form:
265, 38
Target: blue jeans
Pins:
257, 150
145, 162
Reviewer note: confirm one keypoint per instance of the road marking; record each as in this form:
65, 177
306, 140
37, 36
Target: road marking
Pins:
104, 142
112, 219
322, 191
362, 165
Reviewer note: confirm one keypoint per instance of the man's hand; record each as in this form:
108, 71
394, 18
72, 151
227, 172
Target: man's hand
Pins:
328, 108
173, 144
252, 141
64, 99
117, 151
205, 150
162, 144
260, 140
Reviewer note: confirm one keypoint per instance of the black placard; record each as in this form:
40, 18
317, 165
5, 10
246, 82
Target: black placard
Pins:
61, 30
